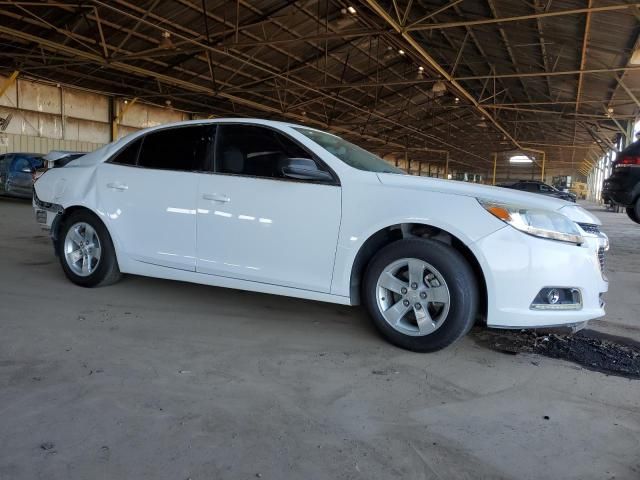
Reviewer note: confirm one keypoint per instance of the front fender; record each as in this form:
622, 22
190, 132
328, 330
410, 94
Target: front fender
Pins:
460, 216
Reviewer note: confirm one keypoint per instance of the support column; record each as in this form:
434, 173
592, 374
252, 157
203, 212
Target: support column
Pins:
118, 118
446, 167
495, 164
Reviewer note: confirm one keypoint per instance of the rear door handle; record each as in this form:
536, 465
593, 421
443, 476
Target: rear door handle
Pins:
216, 197
117, 186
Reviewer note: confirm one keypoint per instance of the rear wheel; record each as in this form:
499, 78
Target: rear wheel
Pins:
634, 211
421, 294
86, 251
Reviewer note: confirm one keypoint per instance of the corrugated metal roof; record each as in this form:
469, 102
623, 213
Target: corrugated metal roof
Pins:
316, 62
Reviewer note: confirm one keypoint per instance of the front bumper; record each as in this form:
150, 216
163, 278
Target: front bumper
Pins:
46, 213
517, 266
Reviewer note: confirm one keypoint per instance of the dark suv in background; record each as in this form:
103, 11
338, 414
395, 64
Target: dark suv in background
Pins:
16, 173
623, 186
535, 186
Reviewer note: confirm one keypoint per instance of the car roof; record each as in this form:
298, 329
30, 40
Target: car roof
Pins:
23, 154
213, 121
257, 121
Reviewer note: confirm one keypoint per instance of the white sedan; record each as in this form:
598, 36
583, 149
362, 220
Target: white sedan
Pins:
287, 209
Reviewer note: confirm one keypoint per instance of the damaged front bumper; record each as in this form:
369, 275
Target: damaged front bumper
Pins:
47, 214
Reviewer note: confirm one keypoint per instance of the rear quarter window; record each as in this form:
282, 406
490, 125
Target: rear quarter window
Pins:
129, 154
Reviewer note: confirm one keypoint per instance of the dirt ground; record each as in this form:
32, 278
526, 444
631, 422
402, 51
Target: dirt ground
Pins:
153, 379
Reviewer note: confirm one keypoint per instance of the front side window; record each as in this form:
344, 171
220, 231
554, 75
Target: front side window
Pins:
255, 151
349, 153
180, 148
36, 162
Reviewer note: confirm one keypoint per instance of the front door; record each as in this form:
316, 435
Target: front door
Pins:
255, 224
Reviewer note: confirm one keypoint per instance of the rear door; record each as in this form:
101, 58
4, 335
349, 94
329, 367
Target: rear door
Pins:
148, 194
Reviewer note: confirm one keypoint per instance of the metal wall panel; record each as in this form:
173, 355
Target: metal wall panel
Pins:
28, 143
38, 97
85, 105
47, 117
144, 116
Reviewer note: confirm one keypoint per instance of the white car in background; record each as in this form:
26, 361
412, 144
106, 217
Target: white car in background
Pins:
290, 210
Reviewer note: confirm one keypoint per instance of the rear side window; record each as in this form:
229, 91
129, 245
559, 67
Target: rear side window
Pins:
129, 154
181, 148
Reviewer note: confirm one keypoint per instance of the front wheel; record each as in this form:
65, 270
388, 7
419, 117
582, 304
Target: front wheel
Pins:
421, 294
633, 212
86, 251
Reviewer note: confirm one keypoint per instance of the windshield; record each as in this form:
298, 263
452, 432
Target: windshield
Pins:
349, 153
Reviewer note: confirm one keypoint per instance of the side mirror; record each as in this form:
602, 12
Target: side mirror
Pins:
304, 169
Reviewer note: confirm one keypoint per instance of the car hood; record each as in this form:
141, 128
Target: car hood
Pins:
496, 194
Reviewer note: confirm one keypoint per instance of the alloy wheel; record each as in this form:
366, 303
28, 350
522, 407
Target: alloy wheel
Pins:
413, 297
82, 250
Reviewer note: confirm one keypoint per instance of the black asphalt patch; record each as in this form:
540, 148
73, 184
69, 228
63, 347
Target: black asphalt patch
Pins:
589, 349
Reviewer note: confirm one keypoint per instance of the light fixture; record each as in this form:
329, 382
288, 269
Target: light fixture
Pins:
520, 159
401, 52
126, 101
166, 42
421, 69
457, 100
351, 10
439, 87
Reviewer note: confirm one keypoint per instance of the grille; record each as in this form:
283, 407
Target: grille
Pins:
601, 258
590, 228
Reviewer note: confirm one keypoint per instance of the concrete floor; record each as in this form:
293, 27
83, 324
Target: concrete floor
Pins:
152, 379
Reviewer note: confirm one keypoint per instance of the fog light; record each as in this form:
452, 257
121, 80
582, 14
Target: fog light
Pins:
557, 298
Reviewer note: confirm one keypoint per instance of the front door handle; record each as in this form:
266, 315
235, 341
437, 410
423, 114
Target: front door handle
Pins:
216, 197
117, 186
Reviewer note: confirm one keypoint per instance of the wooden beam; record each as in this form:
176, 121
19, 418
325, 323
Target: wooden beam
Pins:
8, 82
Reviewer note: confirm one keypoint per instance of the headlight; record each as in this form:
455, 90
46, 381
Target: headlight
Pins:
539, 223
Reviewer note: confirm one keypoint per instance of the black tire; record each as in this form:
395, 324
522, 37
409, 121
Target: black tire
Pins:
460, 280
634, 212
106, 271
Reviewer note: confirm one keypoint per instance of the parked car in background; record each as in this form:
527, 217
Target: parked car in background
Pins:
56, 159
623, 186
16, 173
287, 209
535, 186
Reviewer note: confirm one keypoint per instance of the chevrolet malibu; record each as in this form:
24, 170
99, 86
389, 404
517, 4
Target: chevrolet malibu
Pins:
290, 210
